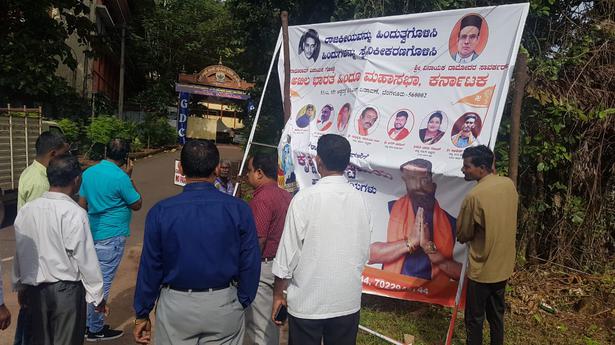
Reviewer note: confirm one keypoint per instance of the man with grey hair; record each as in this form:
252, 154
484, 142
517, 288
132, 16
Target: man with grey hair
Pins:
55, 267
223, 182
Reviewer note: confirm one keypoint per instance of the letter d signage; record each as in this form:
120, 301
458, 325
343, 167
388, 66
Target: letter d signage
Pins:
182, 117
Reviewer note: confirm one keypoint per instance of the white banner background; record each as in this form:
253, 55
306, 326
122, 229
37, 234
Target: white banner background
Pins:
368, 63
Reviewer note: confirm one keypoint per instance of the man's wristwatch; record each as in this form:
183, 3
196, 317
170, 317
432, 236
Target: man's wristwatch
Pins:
430, 248
139, 321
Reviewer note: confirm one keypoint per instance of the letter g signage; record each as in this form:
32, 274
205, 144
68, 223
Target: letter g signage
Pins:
182, 117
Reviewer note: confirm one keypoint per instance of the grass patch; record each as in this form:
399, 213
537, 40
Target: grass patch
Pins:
394, 318
525, 323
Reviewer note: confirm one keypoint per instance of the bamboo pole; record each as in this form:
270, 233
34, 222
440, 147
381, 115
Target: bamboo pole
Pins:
284, 17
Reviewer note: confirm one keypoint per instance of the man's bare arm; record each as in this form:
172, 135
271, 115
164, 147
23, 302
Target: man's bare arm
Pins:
279, 286
465, 221
83, 203
137, 205
384, 252
450, 267
261, 243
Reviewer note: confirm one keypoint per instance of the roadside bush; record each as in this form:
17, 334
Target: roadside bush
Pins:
104, 128
136, 145
70, 129
156, 131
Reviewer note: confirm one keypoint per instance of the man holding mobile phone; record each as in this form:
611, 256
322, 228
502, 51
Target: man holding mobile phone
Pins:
109, 195
324, 247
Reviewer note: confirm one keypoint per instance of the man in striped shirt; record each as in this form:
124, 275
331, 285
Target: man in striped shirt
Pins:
269, 207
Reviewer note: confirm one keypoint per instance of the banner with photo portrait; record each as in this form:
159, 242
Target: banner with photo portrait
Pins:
410, 93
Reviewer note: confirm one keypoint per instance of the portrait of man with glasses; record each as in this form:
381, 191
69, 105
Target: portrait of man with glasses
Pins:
468, 38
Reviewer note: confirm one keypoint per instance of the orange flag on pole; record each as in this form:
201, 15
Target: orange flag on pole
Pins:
481, 99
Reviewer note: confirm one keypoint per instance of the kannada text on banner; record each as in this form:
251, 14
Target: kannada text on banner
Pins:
410, 93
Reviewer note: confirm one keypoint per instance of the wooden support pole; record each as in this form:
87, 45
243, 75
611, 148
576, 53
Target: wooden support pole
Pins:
521, 79
284, 17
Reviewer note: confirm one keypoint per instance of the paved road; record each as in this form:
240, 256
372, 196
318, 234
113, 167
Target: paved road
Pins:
154, 179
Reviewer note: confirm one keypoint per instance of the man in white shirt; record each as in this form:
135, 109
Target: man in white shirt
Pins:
56, 269
5, 314
324, 247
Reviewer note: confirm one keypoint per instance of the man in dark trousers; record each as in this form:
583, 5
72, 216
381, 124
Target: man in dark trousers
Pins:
200, 260
32, 184
56, 269
322, 253
488, 223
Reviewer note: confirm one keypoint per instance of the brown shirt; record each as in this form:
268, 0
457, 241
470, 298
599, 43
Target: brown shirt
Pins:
488, 222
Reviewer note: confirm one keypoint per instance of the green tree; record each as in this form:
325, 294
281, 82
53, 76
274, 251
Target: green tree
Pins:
156, 131
169, 37
33, 38
567, 165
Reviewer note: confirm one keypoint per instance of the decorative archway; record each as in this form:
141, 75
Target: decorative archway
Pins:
216, 83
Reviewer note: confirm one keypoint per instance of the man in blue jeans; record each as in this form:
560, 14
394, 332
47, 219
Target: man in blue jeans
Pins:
109, 195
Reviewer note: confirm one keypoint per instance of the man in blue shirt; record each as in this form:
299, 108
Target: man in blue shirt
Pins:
200, 259
109, 196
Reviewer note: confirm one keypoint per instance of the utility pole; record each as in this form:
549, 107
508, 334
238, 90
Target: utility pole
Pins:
88, 71
120, 105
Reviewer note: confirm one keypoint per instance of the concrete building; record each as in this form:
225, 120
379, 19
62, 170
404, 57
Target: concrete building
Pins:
100, 79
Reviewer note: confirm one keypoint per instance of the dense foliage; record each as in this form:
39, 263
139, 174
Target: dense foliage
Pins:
175, 36
567, 160
155, 131
70, 129
33, 35
104, 128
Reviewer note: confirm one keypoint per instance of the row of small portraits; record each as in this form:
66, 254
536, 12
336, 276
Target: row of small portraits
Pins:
433, 127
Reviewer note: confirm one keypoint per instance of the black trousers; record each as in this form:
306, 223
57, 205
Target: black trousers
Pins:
340, 330
485, 299
57, 312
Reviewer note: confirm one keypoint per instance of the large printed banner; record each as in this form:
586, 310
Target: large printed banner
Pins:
410, 93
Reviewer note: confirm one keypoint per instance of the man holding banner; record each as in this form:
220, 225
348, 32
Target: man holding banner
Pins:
488, 223
441, 63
